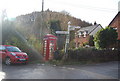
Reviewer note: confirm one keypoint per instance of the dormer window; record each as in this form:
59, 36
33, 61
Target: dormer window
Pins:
84, 34
80, 33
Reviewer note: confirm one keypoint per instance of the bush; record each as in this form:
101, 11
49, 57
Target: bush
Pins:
105, 38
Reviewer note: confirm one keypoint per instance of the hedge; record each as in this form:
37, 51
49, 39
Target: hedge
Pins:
88, 54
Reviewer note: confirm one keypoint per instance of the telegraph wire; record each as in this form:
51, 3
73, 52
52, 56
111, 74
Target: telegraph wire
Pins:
87, 7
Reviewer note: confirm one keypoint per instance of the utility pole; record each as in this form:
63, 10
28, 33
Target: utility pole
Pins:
42, 5
4, 15
42, 19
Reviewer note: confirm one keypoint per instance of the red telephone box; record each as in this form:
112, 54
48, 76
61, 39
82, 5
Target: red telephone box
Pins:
49, 46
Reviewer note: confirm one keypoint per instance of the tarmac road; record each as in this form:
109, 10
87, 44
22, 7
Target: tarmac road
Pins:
108, 70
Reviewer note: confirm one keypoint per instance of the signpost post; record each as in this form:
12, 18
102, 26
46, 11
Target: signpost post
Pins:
67, 40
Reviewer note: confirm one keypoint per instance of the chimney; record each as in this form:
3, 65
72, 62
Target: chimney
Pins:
95, 23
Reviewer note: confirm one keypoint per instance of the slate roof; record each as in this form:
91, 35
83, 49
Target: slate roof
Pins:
89, 28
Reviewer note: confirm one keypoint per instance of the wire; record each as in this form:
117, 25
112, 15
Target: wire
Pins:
86, 6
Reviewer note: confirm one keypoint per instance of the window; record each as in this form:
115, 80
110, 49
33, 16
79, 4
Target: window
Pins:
84, 34
80, 33
115, 28
52, 41
13, 49
2, 48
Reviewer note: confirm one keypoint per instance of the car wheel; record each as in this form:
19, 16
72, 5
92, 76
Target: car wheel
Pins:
7, 61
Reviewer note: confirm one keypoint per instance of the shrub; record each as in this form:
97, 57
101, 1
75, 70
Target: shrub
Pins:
105, 38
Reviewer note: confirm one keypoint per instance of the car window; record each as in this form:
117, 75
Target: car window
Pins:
13, 49
2, 48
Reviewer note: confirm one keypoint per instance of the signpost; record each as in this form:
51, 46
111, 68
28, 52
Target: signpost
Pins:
62, 32
67, 33
73, 27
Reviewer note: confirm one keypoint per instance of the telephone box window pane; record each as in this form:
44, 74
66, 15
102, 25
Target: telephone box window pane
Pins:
45, 41
52, 41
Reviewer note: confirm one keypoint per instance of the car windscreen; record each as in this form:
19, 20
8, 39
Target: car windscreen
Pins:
2, 48
13, 49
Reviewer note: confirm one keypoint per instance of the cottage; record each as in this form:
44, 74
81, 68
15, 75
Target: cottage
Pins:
83, 35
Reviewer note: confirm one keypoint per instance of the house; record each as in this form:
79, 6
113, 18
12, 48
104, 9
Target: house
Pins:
115, 23
83, 35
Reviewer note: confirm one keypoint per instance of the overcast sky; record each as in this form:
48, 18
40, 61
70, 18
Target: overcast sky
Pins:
101, 11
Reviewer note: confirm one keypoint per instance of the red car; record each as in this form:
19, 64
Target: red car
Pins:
11, 54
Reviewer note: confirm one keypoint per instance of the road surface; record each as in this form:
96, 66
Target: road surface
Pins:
108, 70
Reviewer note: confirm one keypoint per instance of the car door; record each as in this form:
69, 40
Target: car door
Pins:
0, 54
0, 51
